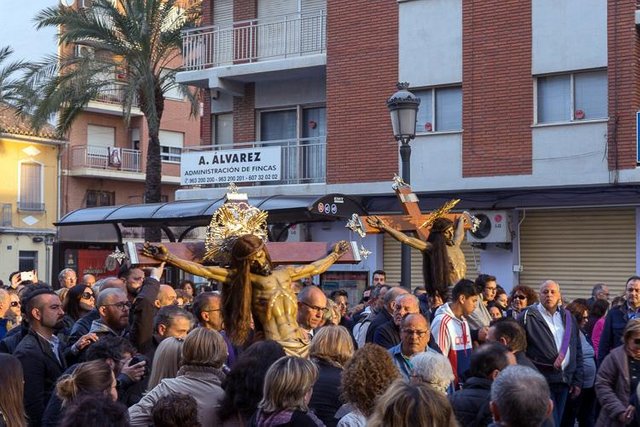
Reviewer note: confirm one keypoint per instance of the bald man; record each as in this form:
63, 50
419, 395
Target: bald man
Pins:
312, 306
553, 345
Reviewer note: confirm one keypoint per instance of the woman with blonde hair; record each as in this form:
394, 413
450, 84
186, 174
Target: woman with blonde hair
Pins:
365, 377
11, 399
200, 375
408, 405
166, 361
331, 347
287, 390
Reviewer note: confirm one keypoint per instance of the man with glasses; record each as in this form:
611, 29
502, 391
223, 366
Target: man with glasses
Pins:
415, 337
312, 306
618, 317
113, 308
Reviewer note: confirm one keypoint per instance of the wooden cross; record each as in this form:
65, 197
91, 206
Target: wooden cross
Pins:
281, 253
413, 220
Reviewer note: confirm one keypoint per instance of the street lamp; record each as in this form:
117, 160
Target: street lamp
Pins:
403, 106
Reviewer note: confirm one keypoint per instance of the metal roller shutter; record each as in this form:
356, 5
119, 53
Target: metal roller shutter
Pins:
267, 8
222, 12
309, 6
391, 261
578, 248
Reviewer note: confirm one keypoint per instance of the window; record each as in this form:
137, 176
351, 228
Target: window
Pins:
100, 198
171, 144
222, 129
571, 97
6, 215
440, 109
30, 197
27, 260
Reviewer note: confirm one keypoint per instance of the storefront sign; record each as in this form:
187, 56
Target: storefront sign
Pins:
225, 166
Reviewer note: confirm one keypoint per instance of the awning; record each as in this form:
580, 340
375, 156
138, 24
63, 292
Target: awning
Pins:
282, 209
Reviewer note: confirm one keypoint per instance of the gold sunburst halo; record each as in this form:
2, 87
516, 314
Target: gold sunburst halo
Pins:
440, 212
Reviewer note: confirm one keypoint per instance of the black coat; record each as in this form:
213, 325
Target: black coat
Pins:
325, 400
41, 371
382, 317
387, 335
471, 404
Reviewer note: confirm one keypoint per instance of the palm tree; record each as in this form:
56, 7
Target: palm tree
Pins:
7, 73
141, 38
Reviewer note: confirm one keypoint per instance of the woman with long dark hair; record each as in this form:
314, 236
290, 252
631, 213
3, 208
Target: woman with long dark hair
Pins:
11, 398
80, 300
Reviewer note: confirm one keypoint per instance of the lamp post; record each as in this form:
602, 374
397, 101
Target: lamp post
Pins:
403, 106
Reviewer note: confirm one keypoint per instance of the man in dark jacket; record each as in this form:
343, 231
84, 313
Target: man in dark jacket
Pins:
553, 345
471, 403
41, 353
386, 312
618, 317
388, 335
509, 332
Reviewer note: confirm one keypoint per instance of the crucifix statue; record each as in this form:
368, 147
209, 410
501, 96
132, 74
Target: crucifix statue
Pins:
252, 290
440, 235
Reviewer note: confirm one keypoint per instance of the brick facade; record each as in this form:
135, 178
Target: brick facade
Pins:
497, 88
244, 116
624, 91
245, 9
362, 69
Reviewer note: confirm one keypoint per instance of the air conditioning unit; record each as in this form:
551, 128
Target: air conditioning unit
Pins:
83, 51
493, 228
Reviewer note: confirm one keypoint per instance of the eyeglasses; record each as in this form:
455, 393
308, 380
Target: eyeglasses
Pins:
211, 309
410, 332
323, 310
521, 297
87, 295
15, 304
120, 305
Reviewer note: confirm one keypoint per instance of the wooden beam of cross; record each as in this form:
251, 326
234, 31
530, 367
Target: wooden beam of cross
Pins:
281, 253
413, 220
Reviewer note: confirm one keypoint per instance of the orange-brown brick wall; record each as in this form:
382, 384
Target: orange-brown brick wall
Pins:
244, 117
497, 100
244, 9
362, 69
624, 91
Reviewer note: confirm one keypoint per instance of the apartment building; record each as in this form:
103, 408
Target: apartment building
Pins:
528, 114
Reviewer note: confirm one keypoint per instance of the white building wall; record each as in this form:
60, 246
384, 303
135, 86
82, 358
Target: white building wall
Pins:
568, 35
430, 42
290, 92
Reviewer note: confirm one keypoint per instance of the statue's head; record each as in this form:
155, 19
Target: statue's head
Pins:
444, 227
250, 248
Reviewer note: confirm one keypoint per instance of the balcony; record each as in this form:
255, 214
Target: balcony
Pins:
106, 162
109, 101
302, 161
245, 51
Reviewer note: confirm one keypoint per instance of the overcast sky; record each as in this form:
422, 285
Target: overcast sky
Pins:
17, 29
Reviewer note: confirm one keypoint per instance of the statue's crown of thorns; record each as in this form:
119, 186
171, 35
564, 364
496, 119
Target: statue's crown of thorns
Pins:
235, 218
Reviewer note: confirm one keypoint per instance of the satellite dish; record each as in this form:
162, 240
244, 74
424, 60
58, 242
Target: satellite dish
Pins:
67, 3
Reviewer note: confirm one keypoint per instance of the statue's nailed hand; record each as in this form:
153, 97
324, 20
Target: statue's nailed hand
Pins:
341, 247
157, 251
376, 222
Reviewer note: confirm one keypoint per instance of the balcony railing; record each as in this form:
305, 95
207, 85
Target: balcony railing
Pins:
112, 94
303, 160
255, 40
30, 206
113, 158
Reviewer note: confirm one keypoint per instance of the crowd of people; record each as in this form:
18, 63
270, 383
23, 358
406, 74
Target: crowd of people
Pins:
133, 351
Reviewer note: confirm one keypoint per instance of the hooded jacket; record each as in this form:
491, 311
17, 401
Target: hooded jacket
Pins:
453, 336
